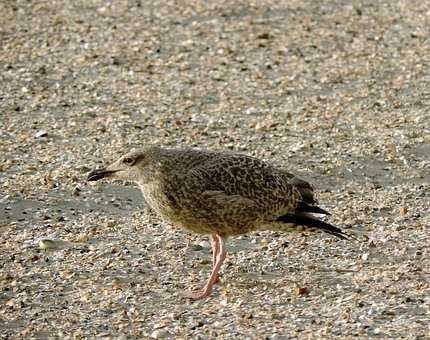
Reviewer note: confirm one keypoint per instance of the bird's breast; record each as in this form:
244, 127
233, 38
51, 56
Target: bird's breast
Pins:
175, 207
162, 200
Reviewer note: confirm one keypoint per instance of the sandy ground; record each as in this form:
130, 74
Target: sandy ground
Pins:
335, 91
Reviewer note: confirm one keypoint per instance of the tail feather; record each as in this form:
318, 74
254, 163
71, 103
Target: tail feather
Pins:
314, 223
304, 207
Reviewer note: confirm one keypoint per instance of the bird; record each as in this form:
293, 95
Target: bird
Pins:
220, 194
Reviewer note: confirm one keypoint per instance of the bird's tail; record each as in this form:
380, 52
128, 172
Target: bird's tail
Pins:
313, 223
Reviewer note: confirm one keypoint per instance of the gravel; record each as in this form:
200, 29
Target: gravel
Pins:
335, 91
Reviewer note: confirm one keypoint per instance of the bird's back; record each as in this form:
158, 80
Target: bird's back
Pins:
249, 177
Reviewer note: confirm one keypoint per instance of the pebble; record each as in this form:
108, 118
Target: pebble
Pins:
161, 334
41, 133
47, 244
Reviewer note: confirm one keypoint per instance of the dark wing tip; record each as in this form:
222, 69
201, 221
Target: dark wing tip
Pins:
304, 207
315, 223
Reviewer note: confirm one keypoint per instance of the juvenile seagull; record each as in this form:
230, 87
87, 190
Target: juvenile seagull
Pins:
219, 193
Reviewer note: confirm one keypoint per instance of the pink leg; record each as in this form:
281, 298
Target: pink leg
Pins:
207, 289
215, 250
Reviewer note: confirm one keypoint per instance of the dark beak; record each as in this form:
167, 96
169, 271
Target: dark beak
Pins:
97, 174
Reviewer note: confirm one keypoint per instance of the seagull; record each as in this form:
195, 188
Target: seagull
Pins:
221, 194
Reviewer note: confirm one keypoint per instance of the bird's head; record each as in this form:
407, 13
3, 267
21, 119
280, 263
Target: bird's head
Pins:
129, 167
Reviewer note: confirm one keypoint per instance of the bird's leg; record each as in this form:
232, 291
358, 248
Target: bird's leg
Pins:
215, 250
207, 289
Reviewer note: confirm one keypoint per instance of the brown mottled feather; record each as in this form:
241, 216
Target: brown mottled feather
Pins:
221, 192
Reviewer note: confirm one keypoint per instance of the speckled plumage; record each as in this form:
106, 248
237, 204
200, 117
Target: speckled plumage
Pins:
216, 192
219, 193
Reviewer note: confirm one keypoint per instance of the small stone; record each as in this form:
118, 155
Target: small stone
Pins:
264, 36
223, 302
116, 285
48, 244
41, 133
301, 290
76, 191
196, 247
110, 224
160, 334
403, 211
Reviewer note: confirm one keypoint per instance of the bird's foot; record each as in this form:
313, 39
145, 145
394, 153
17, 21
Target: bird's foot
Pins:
198, 294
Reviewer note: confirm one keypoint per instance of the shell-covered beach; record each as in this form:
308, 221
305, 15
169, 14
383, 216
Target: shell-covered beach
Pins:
336, 92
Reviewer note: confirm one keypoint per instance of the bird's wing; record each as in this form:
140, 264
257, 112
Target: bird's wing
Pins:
305, 188
242, 178
231, 205
236, 194
230, 214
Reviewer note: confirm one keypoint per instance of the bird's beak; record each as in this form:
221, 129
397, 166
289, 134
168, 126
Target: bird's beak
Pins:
97, 174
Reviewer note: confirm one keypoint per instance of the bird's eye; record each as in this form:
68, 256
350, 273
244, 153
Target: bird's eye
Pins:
128, 160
